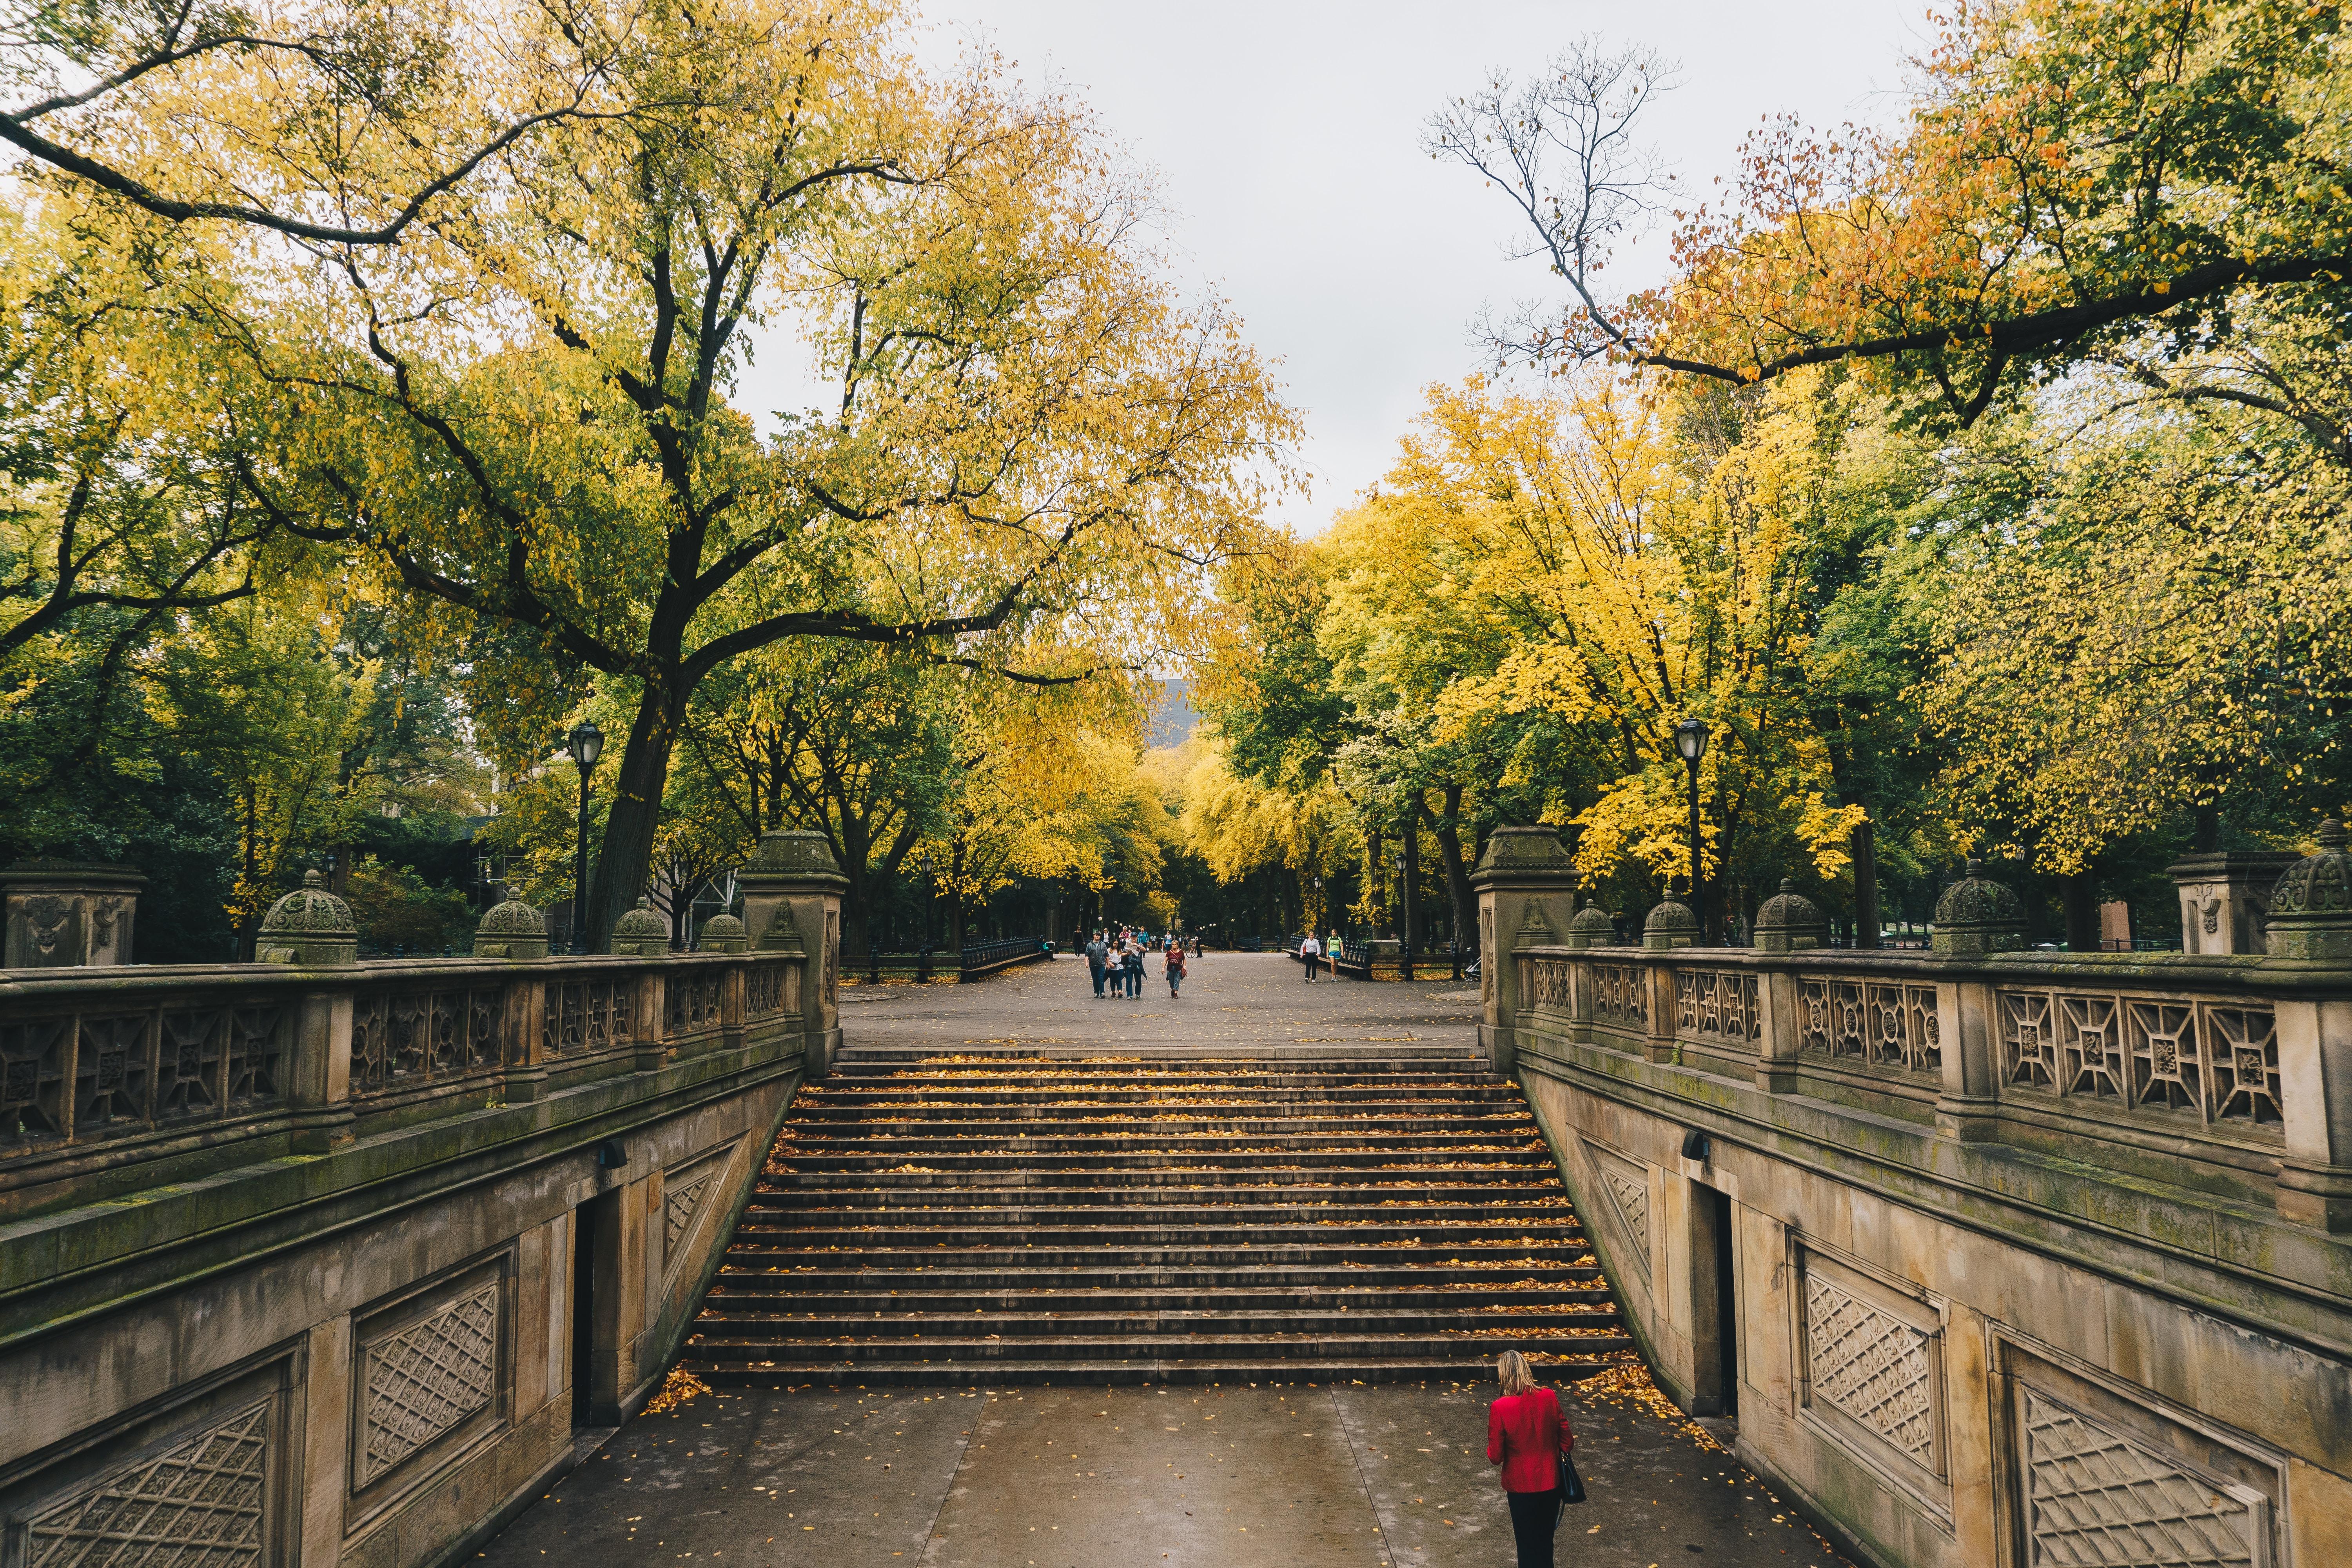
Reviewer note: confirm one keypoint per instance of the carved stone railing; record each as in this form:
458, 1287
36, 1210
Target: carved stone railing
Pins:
2237, 1070
103, 1068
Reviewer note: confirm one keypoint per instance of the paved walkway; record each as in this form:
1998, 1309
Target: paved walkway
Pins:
1366, 1477
1254, 1002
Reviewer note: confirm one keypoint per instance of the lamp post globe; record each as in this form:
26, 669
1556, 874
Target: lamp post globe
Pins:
1690, 739
586, 743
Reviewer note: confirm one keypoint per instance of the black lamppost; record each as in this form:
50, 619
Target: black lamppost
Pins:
586, 743
1690, 739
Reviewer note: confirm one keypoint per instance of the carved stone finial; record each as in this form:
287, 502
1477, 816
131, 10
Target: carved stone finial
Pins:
1592, 927
2311, 906
1976, 914
641, 932
721, 933
1670, 925
1788, 922
307, 926
510, 929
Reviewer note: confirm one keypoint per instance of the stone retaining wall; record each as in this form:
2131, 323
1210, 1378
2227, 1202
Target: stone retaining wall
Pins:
2004, 1259
326, 1264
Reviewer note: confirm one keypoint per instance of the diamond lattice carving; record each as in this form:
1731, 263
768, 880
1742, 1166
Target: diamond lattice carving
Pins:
678, 1205
428, 1377
2096, 1499
1871, 1366
1632, 1199
201, 1503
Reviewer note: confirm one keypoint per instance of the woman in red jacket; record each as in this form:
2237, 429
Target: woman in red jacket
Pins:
1526, 1434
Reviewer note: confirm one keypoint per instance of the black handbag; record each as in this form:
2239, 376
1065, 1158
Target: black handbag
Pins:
1571, 1485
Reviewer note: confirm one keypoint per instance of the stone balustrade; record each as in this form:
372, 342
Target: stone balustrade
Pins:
366, 1247
101, 1069
2224, 1069
1994, 1255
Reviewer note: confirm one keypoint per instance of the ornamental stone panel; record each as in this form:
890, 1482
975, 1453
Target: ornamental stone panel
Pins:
1627, 1185
424, 1379
202, 1502
1871, 1366
2095, 1499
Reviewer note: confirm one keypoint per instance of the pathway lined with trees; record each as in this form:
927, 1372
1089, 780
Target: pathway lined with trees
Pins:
966, 1281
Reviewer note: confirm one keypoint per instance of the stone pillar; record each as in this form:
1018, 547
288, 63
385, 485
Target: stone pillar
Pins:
2311, 929
1591, 928
1789, 923
63, 914
2225, 898
319, 1080
1975, 915
1671, 925
1525, 871
792, 903
1968, 1025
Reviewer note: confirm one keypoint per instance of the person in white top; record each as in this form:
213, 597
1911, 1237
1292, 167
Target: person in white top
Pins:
1312, 952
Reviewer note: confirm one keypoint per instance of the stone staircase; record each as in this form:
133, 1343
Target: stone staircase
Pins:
1001, 1218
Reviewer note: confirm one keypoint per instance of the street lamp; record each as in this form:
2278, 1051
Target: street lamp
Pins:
1690, 739
586, 743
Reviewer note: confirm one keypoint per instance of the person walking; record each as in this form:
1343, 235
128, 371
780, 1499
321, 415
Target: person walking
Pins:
1175, 968
1528, 1436
1331, 951
1134, 967
1098, 955
1310, 950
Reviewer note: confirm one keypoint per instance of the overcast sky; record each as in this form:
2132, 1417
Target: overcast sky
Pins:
1285, 134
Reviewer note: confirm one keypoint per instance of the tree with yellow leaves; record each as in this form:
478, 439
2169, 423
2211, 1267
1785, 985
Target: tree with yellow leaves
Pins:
2077, 179
522, 417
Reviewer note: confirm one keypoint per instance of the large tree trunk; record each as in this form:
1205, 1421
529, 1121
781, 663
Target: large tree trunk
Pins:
1457, 876
1864, 841
2082, 899
627, 857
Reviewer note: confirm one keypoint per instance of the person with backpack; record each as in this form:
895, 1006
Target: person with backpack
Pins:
1528, 1436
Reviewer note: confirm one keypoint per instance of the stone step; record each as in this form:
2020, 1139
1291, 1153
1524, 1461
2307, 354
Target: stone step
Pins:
738, 1295
1091, 1089
882, 1254
1029, 1160
717, 1350
1149, 1230
1064, 1139
946, 1271
991, 1118
1126, 1079
1123, 1372
1085, 1205
989, 1217
732, 1327
1400, 1178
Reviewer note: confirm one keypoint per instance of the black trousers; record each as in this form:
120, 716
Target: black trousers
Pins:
1533, 1514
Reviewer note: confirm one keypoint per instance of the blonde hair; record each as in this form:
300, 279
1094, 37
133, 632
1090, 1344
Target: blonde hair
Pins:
1511, 1367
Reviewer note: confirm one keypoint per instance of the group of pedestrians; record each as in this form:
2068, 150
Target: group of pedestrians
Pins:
1312, 952
1118, 960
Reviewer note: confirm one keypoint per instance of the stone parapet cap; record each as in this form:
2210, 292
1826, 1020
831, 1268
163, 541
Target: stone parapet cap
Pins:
789, 861
2120, 971
1529, 858
2221, 865
147, 978
90, 875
